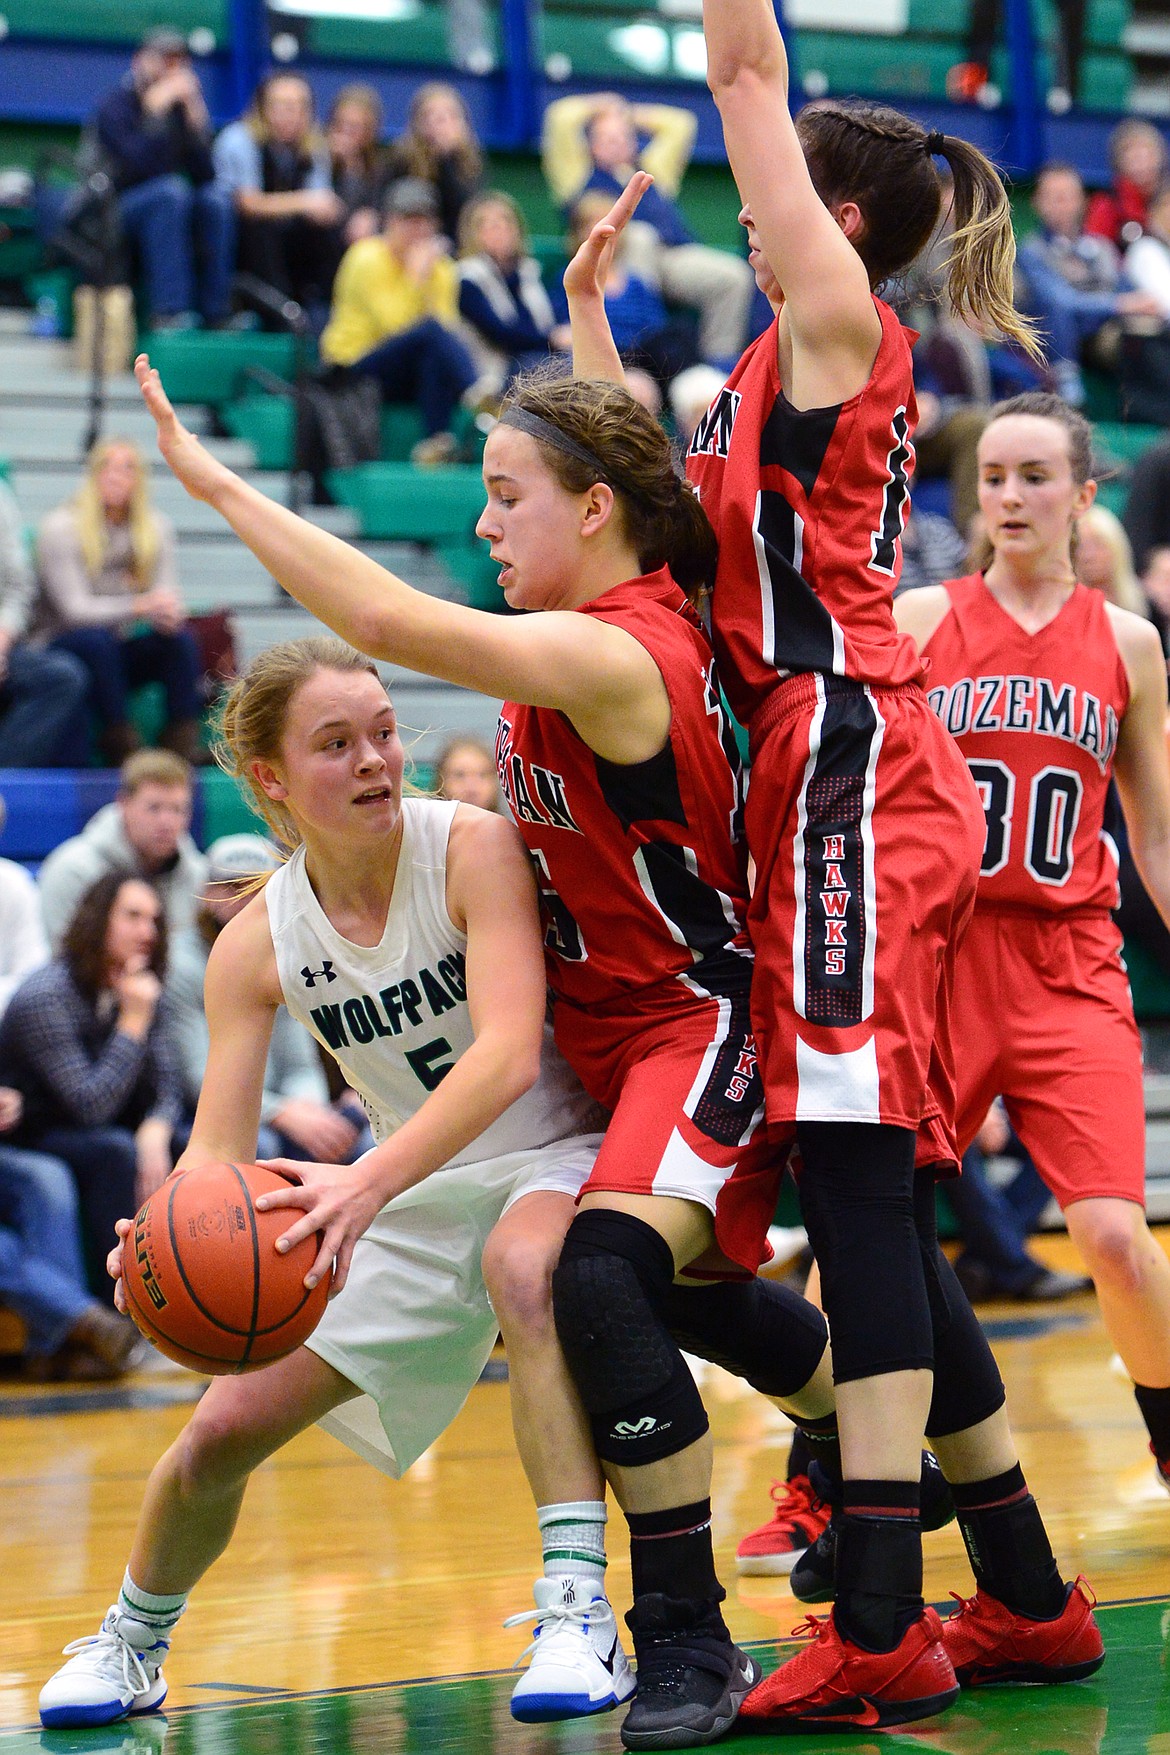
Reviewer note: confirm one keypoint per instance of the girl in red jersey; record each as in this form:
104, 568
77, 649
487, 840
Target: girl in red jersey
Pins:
866, 834
618, 764
1051, 693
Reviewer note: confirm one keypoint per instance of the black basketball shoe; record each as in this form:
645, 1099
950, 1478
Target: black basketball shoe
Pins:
692, 1680
812, 1576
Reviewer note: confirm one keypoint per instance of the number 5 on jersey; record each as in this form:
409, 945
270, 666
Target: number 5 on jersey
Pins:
561, 932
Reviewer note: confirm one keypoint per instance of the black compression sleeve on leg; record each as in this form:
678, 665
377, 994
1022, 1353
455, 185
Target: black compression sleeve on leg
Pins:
968, 1388
856, 1194
767, 1334
609, 1288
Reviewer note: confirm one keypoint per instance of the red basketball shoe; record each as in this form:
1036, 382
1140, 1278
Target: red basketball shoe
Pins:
986, 1642
795, 1524
833, 1682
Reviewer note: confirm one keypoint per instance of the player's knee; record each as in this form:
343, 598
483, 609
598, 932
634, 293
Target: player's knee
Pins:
518, 1271
1112, 1245
608, 1290
213, 1451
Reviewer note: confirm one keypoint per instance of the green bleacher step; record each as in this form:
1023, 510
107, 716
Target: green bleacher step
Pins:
398, 501
199, 365
102, 21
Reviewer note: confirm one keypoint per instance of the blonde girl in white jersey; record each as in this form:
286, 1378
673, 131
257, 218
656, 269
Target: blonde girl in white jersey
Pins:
424, 917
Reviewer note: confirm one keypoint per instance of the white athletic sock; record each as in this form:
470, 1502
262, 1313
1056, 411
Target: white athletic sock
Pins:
572, 1536
158, 1613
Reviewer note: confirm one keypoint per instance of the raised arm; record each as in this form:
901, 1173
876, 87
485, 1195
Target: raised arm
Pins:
834, 326
596, 674
594, 353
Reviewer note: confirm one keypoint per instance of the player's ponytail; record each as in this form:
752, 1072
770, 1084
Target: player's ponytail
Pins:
609, 437
883, 162
254, 714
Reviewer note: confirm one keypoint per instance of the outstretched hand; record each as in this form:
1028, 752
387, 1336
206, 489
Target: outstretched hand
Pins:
199, 472
587, 272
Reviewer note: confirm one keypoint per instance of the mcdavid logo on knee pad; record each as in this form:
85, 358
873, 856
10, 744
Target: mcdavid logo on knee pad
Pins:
640, 1428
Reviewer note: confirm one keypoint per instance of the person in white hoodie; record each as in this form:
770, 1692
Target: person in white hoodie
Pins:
145, 833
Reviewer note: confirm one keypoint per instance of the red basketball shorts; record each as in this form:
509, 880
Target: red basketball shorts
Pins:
1043, 1018
680, 1074
867, 835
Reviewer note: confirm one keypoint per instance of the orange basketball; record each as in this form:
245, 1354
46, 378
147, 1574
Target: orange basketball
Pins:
202, 1276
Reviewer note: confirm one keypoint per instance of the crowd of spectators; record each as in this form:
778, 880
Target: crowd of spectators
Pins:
417, 274
103, 1048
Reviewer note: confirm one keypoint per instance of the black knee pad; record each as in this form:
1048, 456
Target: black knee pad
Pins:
857, 1198
967, 1385
768, 1335
609, 1288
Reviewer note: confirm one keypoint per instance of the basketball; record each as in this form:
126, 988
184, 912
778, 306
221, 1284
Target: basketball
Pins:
202, 1277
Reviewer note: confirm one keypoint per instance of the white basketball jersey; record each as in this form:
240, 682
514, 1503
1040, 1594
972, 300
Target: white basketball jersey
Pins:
394, 1015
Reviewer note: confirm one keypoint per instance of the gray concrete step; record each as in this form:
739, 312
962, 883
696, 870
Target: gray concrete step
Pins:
39, 486
215, 574
37, 434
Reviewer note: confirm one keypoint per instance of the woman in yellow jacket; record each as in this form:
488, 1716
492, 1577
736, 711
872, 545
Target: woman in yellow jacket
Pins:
395, 315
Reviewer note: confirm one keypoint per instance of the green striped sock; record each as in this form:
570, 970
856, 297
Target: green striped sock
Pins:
154, 1611
572, 1535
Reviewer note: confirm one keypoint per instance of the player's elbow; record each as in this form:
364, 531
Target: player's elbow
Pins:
517, 1069
742, 75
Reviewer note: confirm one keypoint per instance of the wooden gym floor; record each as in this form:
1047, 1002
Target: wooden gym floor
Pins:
356, 1614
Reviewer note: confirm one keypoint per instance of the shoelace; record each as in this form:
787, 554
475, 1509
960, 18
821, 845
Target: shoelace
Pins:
793, 1497
812, 1627
558, 1615
134, 1673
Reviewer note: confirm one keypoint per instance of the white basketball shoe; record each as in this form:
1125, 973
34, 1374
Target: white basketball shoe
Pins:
110, 1675
578, 1665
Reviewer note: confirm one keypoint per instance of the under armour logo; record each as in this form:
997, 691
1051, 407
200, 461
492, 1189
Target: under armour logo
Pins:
636, 1428
312, 976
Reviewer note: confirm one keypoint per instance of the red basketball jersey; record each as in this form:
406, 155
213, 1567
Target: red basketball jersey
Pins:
1037, 717
642, 868
808, 506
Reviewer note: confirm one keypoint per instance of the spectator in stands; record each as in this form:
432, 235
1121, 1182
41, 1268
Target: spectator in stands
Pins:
1155, 583
395, 316
1147, 504
1073, 278
277, 168
155, 133
43, 721
23, 943
502, 297
360, 172
691, 394
995, 1222
87, 1043
70, 1337
595, 143
439, 146
1137, 154
933, 550
142, 834
1104, 559
297, 1120
466, 772
1147, 261
110, 596
649, 338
